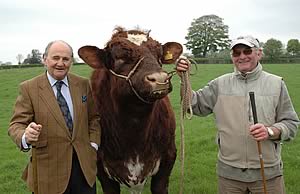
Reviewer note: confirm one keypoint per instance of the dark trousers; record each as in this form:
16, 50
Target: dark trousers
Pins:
77, 183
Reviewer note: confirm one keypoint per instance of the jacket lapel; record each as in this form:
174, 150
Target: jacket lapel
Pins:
48, 97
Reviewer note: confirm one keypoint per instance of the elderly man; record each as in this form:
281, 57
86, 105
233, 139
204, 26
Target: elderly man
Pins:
227, 97
54, 114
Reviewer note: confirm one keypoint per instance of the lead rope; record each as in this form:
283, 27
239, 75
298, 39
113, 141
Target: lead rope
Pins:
185, 112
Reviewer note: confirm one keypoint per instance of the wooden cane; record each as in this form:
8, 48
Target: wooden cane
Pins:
34, 169
253, 106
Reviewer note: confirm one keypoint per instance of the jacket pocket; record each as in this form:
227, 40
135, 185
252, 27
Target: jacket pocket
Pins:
41, 147
271, 152
41, 144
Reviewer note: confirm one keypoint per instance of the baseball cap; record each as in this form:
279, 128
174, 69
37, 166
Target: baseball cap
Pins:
246, 40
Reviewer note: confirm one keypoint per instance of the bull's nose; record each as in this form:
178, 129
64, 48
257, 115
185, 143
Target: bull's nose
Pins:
157, 78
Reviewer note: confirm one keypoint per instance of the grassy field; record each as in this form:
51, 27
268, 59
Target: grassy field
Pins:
200, 149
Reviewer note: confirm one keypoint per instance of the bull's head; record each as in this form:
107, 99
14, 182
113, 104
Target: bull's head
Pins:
137, 58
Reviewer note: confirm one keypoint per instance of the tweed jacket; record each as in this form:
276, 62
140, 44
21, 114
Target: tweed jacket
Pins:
54, 149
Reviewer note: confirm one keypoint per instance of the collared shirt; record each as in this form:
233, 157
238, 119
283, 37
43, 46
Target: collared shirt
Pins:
65, 90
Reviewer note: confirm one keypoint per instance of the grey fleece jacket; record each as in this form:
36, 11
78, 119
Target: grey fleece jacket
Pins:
228, 98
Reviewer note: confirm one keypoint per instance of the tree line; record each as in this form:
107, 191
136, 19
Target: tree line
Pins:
35, 57
208, 38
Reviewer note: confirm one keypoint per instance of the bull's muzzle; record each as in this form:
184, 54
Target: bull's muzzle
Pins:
160, 83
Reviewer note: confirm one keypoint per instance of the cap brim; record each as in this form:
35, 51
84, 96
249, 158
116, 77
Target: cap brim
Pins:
241, 41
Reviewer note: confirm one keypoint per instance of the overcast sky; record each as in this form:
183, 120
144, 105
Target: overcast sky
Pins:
31, 24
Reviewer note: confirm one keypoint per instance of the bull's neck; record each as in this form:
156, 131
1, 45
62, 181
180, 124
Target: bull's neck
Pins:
135, 117
137, 110
133, 124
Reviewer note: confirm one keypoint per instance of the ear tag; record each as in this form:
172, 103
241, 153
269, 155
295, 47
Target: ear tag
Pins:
168, 56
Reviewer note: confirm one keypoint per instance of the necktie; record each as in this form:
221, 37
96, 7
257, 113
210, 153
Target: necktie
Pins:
64, 106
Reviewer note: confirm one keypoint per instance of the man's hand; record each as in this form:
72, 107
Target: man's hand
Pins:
259, 132
182, 65
32, 132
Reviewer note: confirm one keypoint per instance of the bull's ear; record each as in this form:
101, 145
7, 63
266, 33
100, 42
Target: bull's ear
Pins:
171, 52
91, 55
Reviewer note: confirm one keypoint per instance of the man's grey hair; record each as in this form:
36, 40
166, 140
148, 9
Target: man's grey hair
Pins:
51, 43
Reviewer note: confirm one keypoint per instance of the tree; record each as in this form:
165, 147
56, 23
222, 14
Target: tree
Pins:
34, 58
273, 48
207, 34
19, 58
223, 54
293, 47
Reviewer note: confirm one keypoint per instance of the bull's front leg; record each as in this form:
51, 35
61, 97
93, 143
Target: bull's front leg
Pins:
160, 181
108, 185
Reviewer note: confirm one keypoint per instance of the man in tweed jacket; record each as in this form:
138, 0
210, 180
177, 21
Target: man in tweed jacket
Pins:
66, 160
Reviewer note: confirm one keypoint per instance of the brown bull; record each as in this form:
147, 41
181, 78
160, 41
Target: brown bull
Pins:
138, 124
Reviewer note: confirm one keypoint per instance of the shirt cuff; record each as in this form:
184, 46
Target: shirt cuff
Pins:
25, 146
94, 145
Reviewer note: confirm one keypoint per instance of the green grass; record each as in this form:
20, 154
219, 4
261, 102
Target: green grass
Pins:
200, 149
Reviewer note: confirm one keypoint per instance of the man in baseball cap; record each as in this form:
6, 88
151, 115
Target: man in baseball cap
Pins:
238, 166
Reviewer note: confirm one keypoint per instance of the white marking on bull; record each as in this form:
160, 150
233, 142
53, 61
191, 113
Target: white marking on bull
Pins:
135, 170
156, 168
137, 39
136, 181
107, 171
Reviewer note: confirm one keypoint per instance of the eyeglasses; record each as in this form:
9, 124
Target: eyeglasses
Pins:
247, 51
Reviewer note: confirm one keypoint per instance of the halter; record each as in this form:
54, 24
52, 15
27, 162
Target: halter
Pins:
127, 78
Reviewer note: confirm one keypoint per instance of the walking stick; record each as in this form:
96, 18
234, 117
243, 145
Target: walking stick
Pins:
34, 168
253, 106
